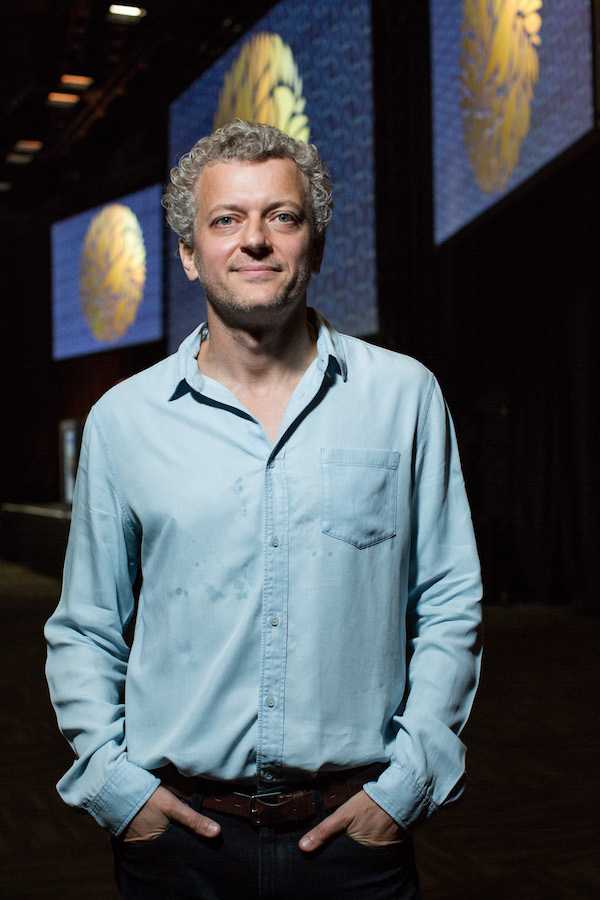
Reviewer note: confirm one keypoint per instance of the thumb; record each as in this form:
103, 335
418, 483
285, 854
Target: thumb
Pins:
185, 815
323, 832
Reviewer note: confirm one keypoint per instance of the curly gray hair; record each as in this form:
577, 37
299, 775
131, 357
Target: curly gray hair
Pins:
246, 142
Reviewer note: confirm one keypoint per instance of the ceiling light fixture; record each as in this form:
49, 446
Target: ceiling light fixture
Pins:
78, 82
18, 159
56, 98
28, 146
133, 12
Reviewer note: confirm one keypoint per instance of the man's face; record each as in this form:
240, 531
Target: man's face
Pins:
254, 251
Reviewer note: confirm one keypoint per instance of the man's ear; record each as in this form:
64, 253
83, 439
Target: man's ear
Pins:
186, 255
318, 250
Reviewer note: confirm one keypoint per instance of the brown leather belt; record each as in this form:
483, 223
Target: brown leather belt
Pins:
277, 808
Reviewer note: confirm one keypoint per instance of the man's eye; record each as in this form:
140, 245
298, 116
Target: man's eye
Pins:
224, 220
285, 217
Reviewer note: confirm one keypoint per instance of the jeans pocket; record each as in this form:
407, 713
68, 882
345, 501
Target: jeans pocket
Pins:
392, 847
359, 495
120, 846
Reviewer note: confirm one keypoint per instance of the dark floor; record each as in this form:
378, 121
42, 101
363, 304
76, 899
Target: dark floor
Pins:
526, 829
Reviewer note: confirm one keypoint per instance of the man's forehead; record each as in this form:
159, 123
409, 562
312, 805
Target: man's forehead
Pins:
230, 177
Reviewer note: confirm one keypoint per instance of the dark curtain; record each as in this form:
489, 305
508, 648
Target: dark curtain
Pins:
505, 315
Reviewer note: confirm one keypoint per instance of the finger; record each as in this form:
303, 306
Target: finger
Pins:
185, 815
323, 832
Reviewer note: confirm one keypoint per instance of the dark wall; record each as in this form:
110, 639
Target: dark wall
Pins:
505, 315
29, 390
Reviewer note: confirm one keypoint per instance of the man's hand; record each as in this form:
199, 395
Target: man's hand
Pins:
162, 808
362, 819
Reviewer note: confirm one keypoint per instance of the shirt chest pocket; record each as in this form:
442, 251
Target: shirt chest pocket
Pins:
359, 490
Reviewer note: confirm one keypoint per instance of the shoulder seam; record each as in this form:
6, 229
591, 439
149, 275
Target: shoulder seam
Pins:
427, 408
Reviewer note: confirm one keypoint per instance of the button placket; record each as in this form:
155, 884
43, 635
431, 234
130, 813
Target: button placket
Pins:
273, 644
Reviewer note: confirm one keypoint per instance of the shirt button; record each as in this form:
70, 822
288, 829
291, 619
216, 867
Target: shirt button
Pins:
268, 776
274, 541
274, 621
270, 702
271, 464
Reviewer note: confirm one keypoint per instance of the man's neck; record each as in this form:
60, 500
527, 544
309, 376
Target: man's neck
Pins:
262, 368
258, 359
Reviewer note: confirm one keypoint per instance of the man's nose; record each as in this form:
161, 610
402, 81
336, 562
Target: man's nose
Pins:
255, 238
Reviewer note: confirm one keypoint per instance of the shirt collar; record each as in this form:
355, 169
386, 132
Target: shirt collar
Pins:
329, 346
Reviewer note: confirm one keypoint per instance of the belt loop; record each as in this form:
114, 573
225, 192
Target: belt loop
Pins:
319, 805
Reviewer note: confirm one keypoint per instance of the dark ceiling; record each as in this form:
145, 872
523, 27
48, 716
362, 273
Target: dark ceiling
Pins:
138, 67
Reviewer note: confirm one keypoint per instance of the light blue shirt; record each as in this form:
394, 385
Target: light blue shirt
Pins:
277, 580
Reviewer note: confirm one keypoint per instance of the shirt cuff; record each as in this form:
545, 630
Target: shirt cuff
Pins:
402, 798
122, 796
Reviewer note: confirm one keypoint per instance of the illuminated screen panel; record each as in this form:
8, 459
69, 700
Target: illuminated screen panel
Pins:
512, 88
318, 57
107, 276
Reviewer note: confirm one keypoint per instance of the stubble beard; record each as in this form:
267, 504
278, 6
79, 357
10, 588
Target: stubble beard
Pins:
241, 313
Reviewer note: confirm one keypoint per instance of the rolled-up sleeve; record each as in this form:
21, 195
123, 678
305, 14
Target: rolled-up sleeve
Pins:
87, 651
444, 593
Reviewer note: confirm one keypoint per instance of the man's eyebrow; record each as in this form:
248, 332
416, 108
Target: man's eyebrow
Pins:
234, 207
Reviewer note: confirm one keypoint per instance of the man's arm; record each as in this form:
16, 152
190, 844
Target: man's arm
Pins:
427, 765
87, 652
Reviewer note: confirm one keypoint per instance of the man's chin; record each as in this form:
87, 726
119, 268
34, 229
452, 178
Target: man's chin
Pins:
255, 314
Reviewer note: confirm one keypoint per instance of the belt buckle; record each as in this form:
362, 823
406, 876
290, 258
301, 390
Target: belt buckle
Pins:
262, 800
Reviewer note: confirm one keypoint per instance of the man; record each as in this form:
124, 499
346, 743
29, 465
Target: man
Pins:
288, 497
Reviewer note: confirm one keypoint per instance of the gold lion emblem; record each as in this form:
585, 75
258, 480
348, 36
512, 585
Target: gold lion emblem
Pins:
264, 85
112, 272
499, 68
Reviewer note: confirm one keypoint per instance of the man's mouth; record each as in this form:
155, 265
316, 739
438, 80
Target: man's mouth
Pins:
256, 270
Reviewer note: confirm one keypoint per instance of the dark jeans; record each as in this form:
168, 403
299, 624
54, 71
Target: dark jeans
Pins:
249, 863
